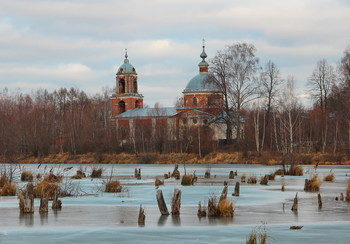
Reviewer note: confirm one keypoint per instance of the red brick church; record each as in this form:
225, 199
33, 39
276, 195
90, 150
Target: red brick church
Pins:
201, 107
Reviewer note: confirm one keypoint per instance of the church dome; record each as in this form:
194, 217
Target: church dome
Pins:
199, 82
126, 67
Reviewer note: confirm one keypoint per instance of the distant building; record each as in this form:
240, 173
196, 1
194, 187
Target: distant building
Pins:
202, 107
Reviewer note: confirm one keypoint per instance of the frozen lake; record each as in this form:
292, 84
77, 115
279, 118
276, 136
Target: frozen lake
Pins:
96, 217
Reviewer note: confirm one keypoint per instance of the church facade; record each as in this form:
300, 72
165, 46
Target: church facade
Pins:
201, 108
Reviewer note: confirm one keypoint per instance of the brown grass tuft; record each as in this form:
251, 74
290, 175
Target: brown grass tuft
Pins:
258, 236
52, 178
113, 186
226, 208
187, 180
243, 177
8, 190
96, 173
252, 180
27, 176
312, 184
296, 170
46, 188
3, 180
279, 172
330, 177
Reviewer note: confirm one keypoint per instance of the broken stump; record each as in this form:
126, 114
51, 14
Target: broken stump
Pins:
295, 203
142, 217
236, 193
161, 203
176, 202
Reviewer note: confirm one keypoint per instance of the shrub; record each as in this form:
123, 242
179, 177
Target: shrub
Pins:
312, 184
296, 170
96, 173
46, 188
27, 176
9, 189
187, 180
252, 180
113, 186
330, 177
226, 208
158, 182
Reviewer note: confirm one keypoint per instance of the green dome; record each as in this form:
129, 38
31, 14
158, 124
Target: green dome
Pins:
126, 67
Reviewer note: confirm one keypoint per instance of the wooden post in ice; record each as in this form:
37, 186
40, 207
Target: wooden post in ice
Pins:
176, 202
44, 204
224, 193
142, 217
26, 200
236, 193
56, 203
319, 200
295, 203
161, 203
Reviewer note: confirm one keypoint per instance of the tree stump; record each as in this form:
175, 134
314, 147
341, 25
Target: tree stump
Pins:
137, 173
142, 217
295, 203
201, 212
223, 193
264, 180
176, 202
231, 175
341, 197
319, 200
176, 172
56, 203
283, 188
44, 204
161, 203
26, 199
236, 193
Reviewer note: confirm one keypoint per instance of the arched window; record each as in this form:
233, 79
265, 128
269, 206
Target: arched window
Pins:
122, 86
135, 86
194, 121
137, 104
121, 107
194, 101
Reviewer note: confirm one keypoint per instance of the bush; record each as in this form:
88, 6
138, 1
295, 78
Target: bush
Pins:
46, 188
96, 173
312, 184
330, 177
8, 190
27, 176
226, 208
187, 180
113, 186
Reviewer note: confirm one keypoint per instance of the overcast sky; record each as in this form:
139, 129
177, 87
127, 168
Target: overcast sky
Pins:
80, 43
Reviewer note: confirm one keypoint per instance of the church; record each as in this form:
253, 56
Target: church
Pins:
201, 110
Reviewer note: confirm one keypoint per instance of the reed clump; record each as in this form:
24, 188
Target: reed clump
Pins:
96, 173
46, 188
258, 236
27, 176
252, 180
9, 189
330, 177
187, 180
225, 208
312, 184
296, 170
113, 186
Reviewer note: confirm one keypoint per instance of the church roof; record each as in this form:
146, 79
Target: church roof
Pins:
126, 67
149, 112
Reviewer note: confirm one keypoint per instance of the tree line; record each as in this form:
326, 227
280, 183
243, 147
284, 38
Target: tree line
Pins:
261, 108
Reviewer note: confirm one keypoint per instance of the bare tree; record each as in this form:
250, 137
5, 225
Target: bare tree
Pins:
233, 71
320, 82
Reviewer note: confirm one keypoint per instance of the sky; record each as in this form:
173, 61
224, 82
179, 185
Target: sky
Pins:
49, 44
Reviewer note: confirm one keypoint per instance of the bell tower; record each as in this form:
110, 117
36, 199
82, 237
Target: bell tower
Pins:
126, 96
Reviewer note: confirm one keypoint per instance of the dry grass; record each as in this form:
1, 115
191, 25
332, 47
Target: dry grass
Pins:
3, 180
27, 176
187, 180
113, 186
9, 189
96, 173
312, 184
52, 178
79, 175
252, 180
330, 177
296, 170
226, 208
46, 188
272, 162
243, 177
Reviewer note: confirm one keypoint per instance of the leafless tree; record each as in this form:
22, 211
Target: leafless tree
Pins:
320, 82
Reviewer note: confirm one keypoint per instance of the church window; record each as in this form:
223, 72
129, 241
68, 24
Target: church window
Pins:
205, 121
184, 121
121, 107
137, 104
195, 101
194, 121
122, 86
135, 86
